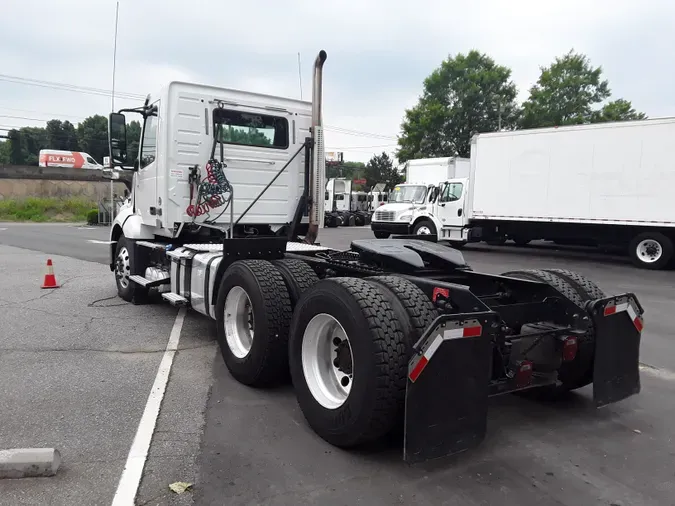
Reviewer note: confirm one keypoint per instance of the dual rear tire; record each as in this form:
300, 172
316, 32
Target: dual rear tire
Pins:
345, 342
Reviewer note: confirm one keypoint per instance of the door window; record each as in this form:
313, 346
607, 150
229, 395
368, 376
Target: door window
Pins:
149, 144
452, 192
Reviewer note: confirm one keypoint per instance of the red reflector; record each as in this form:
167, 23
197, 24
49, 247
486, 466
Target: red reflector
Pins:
637, 321
609, 310
523, 375
471, 331
440, 291
570, 346
415, 373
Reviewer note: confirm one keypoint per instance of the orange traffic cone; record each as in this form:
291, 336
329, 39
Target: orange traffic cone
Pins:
50, 279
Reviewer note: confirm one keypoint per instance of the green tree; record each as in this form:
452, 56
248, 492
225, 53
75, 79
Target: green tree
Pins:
380, 169
349, 170
567, 93
617, 110
16, 151
466, 95
252, 136
5, 147
92, 135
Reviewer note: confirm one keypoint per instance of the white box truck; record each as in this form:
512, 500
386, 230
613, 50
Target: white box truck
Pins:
606, 184
395, 217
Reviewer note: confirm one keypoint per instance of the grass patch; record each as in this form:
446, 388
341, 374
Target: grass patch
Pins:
54, 209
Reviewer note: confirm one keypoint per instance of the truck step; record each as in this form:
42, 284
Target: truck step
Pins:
175, 299
148, 283
152, 245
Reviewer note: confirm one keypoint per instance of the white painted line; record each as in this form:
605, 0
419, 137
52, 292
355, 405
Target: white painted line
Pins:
133, 469
94, 241
3, 228
664, 374
85, 228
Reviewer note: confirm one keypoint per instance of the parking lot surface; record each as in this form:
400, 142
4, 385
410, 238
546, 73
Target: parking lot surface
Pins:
77, 365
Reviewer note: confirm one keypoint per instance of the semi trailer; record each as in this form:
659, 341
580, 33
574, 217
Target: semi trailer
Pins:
601, 185
421, 175
396, 336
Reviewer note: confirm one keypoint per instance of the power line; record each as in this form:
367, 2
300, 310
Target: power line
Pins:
361, 147
52, 114
358, 133
68, 87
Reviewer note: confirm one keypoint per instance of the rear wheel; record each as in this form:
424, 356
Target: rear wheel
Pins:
651, 250
381, 235
520, 241
298, 277
575, 287
253, 313
347, 357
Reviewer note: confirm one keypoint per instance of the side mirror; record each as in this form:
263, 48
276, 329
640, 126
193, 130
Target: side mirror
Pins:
117, 140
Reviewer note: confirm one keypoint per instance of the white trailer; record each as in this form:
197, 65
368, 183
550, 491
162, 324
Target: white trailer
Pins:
227, 201
605, 184
395, 217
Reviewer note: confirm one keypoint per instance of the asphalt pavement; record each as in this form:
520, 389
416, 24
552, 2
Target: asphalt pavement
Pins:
77, 366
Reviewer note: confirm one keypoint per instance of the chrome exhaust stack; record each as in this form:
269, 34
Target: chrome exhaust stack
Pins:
317, 172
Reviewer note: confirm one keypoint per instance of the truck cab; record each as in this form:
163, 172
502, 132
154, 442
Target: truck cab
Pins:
445, 215
395, 217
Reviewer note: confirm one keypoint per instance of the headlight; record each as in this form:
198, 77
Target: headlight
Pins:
405, 217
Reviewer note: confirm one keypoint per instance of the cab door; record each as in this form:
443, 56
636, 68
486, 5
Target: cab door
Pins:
451, 203
145, 193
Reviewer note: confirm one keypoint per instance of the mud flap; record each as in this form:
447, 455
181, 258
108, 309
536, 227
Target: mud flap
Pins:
447, 386
618, 328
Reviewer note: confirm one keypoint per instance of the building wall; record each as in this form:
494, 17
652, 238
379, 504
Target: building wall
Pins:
23, 188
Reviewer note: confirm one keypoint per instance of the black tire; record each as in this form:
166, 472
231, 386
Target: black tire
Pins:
266, 362
381, 235
586, 288
521, 241
359, 220
496, 242
457, 244
579, 372
415, 312
663, 242
298, 277
425, 223
127, 262
379, 360
413, 308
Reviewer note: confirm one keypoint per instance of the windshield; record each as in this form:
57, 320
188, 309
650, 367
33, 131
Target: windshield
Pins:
414, 194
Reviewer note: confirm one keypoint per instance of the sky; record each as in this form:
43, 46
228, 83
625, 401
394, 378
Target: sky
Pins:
379, 53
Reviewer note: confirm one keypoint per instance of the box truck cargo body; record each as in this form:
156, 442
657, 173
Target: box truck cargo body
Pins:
606, 184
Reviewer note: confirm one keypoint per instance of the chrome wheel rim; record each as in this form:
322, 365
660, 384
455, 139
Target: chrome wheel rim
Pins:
123, 268
239, 322
327, 361
424, 230
649, 251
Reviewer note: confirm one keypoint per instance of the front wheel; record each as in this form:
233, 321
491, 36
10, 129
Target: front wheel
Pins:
651, 250
381, 235
425, 227
125, 267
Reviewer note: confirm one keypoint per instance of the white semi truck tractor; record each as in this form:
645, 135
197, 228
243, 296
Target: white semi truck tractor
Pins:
388, 335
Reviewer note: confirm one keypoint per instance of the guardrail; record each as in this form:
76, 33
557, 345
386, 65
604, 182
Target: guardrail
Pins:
59, 174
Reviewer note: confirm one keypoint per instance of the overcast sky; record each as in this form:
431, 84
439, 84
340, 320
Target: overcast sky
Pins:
379, 52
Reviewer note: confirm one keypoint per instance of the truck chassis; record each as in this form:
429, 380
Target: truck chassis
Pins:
395, 334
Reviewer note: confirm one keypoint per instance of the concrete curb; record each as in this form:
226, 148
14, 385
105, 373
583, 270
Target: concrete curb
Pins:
29, 462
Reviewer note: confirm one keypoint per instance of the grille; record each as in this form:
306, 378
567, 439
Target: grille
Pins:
384, 215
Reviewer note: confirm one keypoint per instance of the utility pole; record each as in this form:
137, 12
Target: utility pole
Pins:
299, 75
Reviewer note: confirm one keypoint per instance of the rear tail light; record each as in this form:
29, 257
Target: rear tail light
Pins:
523, 375
570, 347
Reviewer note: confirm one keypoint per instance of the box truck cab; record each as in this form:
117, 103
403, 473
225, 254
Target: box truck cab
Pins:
445, 215
396, 215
